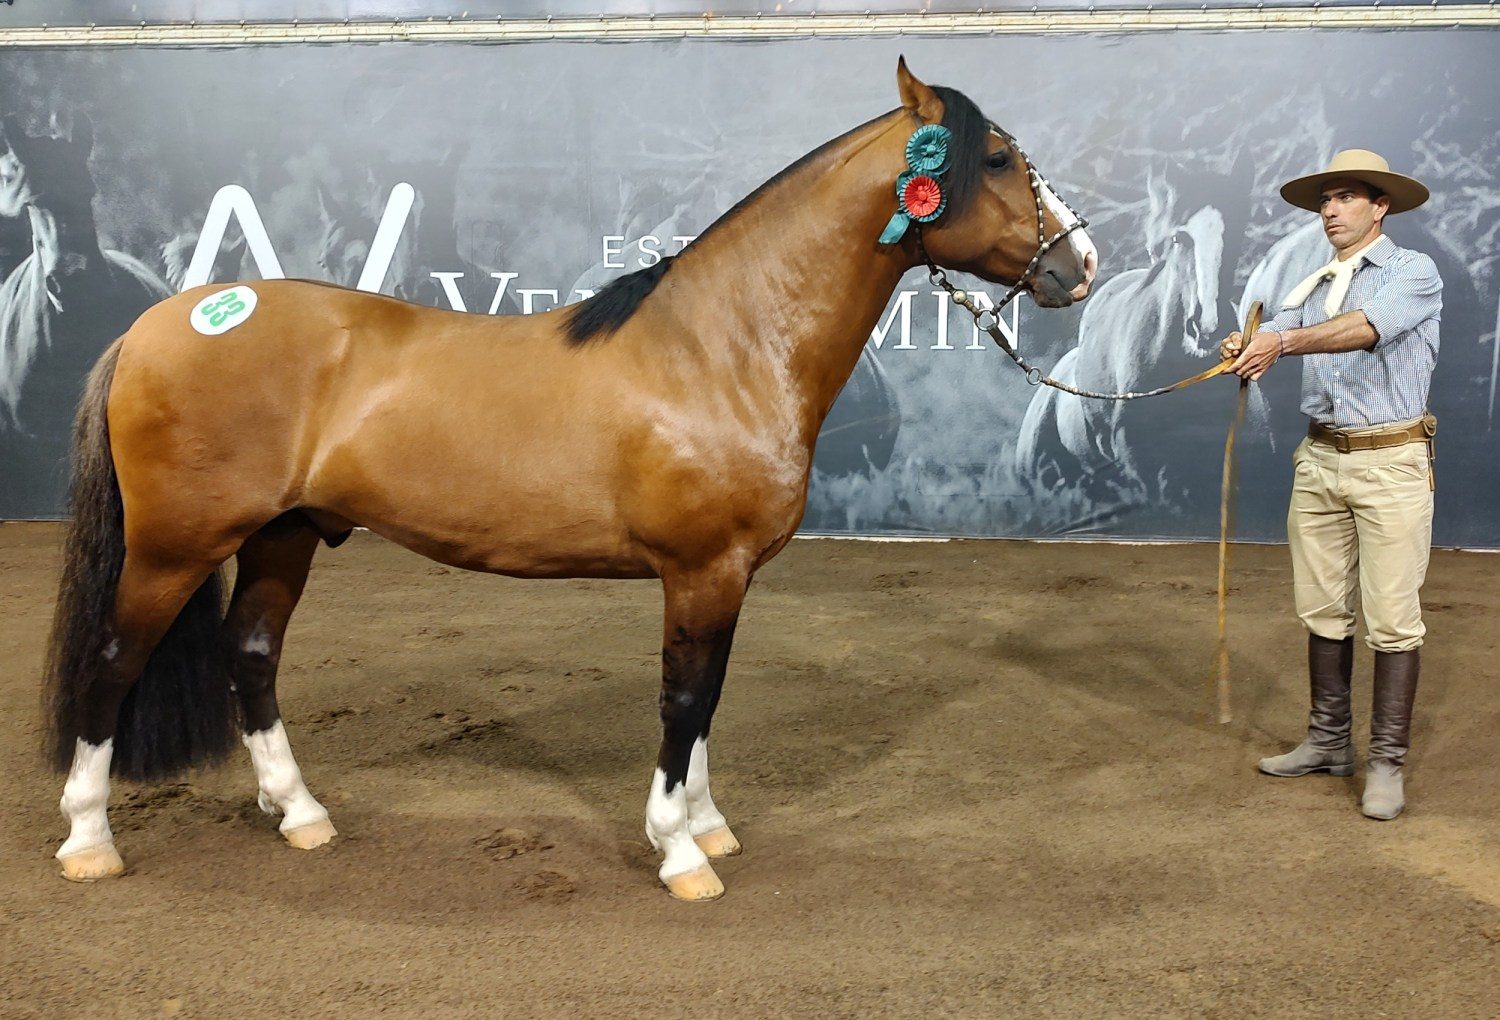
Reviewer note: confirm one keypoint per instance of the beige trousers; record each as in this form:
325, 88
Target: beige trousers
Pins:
1360, 530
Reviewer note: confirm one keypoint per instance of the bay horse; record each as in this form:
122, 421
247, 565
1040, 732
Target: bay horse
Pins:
664, 428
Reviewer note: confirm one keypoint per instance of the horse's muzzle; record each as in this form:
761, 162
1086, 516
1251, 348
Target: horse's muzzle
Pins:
1063, 277
1050, 290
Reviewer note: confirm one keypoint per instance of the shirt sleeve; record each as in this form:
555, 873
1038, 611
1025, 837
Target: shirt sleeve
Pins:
1287, 318
1412, 295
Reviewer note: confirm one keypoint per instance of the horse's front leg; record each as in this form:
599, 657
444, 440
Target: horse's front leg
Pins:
710, 831
702, 607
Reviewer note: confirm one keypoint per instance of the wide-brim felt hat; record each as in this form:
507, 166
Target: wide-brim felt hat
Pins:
1404, 192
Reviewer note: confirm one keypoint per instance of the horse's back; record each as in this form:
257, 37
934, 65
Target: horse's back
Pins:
486, 442
439, 429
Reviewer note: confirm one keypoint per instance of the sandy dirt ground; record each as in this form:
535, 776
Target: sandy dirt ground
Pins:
972, 778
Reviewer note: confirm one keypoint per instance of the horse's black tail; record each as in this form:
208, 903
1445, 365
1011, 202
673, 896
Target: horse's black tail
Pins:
182, 710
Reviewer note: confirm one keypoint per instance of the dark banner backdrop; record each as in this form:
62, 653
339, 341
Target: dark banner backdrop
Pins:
537, 172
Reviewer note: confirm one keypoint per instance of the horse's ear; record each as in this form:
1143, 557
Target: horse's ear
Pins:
917, 96
1154, 221
1160, 198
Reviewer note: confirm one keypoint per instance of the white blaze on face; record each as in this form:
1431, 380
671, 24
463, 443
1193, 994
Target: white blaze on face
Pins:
1078, 240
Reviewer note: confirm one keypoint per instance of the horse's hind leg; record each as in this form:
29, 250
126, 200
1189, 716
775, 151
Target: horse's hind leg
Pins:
702, 608
273, 565
147, 601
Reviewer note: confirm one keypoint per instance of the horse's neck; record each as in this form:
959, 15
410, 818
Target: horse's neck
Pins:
1165, 321
795, 275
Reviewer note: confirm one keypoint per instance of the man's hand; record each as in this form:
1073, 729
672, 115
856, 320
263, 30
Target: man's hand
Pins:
1251, 360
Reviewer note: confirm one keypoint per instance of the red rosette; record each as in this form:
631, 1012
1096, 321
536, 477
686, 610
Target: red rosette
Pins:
922, 196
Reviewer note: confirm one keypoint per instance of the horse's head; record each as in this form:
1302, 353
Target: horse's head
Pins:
990, 226
1185, 260
1199, 248
1192, 253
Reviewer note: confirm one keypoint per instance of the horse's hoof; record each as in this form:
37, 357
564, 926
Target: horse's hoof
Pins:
91, 865
697, 885
312, 835
719, 843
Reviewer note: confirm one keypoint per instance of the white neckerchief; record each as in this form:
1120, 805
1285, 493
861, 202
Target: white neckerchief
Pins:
1340, 271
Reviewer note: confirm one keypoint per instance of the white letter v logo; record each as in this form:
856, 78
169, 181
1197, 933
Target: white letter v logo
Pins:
232, 198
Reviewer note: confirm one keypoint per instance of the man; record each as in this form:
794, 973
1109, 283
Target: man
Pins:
1360, 522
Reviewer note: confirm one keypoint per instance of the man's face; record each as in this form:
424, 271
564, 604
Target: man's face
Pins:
1349, 213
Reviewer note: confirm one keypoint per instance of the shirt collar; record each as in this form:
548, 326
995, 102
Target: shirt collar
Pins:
1381, 250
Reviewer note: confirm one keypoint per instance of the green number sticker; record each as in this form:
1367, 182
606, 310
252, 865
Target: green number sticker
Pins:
221, 312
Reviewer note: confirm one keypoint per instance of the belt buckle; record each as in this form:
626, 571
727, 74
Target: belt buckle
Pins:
1341, 442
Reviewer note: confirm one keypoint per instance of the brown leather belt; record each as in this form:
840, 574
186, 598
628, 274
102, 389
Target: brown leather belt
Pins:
1343, 442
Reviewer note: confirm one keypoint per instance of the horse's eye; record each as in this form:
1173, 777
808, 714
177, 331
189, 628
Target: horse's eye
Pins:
998, 160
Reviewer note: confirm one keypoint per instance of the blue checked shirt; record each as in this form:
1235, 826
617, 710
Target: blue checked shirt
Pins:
1401, 294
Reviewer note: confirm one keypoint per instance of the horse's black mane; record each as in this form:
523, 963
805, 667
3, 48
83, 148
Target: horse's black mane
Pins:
608, 310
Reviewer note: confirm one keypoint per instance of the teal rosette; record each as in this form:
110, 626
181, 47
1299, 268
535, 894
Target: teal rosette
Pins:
927, 149
919, 192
